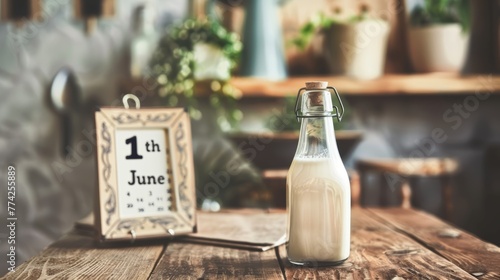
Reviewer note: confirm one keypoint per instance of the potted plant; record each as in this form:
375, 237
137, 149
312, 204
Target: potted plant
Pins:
438, 35
194, 60
353, 45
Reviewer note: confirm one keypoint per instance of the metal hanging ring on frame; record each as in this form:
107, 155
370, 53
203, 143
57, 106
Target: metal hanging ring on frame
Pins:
128, 97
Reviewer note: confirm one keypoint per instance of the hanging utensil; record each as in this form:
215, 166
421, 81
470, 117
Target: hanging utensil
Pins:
65, 99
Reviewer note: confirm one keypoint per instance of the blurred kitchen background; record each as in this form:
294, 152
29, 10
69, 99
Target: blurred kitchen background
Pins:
420, 79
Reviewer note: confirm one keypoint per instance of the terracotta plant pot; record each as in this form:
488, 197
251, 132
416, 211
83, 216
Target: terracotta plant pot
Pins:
357, 49
438, 48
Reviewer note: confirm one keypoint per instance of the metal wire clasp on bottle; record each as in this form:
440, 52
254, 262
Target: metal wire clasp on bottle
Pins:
334, 112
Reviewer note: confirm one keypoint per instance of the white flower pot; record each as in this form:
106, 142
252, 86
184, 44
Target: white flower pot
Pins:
357, 49
438, 48
210, 63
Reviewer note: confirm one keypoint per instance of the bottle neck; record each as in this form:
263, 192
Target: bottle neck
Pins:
317, 139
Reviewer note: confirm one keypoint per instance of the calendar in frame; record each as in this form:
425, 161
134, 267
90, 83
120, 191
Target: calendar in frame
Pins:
146, 176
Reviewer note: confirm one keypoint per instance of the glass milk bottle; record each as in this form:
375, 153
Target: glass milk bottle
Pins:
318, 189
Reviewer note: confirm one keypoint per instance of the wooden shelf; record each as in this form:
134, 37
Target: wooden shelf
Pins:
415, 84
393, 84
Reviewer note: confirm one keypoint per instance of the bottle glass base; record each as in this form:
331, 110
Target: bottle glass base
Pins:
317, 263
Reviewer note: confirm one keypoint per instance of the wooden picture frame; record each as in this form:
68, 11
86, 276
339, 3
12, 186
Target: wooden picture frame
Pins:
124, 154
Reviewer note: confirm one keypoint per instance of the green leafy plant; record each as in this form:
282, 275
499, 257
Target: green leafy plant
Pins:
284, 119
173, 65
322, 22
441, 12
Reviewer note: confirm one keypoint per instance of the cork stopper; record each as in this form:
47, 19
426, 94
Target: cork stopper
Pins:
316, 85
316, 101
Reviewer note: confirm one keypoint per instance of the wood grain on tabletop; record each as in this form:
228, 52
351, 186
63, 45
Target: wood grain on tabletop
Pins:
386, 244
379, 252
192, 261
79, 257
475, 256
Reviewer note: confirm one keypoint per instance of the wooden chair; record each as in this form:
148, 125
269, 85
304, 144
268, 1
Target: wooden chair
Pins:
404, 172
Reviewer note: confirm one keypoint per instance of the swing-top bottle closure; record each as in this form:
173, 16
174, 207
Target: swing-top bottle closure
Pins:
314, 100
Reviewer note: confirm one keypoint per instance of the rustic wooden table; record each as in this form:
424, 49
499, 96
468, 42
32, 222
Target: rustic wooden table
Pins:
386, 244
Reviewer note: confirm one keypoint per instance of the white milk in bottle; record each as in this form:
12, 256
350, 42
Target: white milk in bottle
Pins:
318, 189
